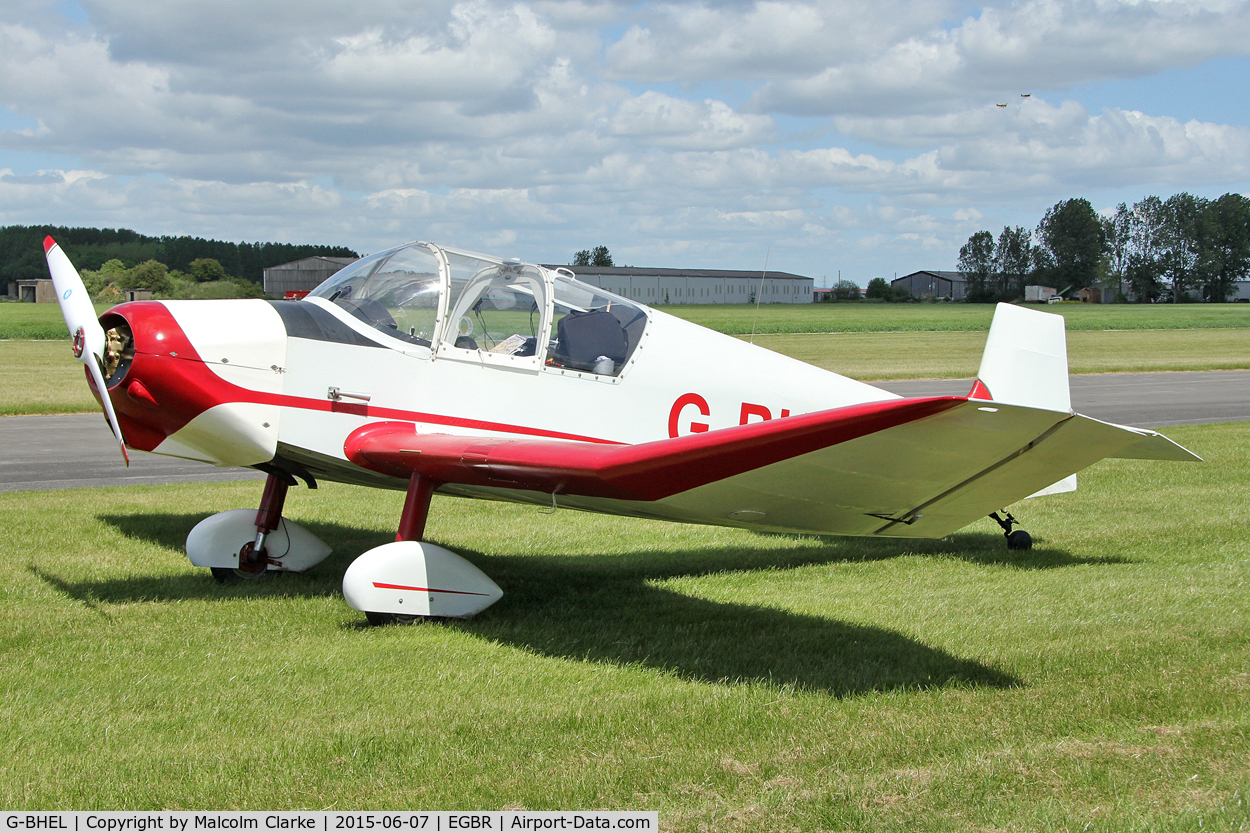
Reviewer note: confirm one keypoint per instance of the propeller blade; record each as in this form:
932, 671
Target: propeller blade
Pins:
84, 326
97, 375
75, 304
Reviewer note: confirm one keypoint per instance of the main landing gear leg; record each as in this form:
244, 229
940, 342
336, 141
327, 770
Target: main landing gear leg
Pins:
253, 559
1018, 540
411, 579
416, 508
245, 543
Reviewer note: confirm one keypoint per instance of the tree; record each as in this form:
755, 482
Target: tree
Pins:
879, 288
1143, 265
1073, 233
845, 290
1144, 278
598, 256
151, 274
112, 272
1181, 237
976, 262
1117, 231
601, 257
1228, 251
205, 269
1013, 261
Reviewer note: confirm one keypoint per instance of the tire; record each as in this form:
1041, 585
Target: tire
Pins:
380, 619
233, 575
1019, 540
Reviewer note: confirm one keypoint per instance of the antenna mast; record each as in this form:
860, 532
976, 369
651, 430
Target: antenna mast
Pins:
760, 294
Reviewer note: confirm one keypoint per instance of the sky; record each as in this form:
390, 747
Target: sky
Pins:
828, 139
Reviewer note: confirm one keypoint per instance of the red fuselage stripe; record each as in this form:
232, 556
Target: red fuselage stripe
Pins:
384, 586
185, 386
304, 403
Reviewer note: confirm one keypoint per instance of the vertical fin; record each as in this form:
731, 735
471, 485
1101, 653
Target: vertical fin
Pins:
1025, 360
1026, 363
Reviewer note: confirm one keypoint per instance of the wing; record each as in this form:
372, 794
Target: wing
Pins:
910, 467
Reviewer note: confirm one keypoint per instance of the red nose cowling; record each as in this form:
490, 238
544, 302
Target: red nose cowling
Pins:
166, 384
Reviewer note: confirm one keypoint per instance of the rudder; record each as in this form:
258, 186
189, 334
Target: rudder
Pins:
1026, 363
1025, 360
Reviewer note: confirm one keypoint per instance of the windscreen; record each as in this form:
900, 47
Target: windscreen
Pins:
395, 291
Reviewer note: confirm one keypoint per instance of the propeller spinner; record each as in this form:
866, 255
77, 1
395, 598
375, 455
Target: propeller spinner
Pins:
80, 317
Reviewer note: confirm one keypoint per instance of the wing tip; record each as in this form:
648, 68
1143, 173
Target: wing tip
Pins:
48, 244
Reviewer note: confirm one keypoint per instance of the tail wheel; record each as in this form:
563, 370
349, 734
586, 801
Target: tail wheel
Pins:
1019, 540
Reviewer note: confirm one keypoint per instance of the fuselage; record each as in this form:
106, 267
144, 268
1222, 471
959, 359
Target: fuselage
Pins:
251, 382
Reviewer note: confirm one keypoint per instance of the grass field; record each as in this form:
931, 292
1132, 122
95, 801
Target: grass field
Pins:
876, 318
34, 321
43, 378
43, 321
955, 355
730, 681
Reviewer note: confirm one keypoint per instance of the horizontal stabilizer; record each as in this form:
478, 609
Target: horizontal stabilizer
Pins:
1155, 446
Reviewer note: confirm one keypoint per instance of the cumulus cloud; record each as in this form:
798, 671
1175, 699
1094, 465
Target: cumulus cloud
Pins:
1008, 49
771, 39
699, 131
675, 122
1043, 147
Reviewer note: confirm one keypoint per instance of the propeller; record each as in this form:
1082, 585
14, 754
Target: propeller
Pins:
84, 326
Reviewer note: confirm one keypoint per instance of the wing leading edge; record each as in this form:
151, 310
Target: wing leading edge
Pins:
643, 472
907, 468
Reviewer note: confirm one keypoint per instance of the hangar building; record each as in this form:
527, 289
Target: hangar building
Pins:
649, 286
302, 275
930, 284
696, 286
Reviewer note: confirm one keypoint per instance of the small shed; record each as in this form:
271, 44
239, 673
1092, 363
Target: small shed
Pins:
36, 291
1090, 295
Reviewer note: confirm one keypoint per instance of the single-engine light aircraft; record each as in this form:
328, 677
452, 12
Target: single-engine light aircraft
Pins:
429, 369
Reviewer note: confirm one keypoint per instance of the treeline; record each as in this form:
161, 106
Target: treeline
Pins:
1184, 248
21, 251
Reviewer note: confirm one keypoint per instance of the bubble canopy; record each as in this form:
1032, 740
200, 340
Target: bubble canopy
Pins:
475, 307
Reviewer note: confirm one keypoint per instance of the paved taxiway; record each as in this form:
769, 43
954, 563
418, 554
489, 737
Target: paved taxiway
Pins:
65, 452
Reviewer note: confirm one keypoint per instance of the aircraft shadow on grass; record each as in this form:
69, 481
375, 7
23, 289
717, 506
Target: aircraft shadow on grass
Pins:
608, 608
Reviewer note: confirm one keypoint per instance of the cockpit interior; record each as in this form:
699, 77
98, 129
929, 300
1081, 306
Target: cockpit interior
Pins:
449, 300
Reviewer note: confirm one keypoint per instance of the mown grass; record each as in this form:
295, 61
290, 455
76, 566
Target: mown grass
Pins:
740, 319
35, 321
730, 681
43, 321
955, 355
42, 377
